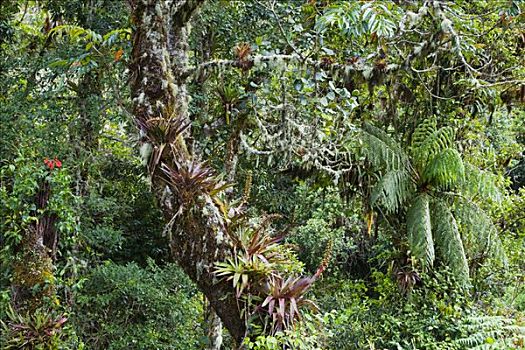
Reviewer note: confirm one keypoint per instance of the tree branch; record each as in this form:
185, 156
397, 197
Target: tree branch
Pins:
359, 66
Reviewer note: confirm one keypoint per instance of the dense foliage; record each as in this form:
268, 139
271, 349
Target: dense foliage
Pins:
262, 174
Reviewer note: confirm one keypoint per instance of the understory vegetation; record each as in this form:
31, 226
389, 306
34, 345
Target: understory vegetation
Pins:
262, 174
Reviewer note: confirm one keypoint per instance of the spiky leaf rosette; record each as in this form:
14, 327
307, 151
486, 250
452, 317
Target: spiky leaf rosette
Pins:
285, 299
419, 229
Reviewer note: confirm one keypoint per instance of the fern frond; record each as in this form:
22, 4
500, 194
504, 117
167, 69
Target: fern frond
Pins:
382, 150
480, 183
445, 170
393, 190
419, 229
423, 131
480, 236
491, 332
448, 239
435, 143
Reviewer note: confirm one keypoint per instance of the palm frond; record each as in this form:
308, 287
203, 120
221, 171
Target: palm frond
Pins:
445, 170
382, 150
448, 240
419, 229
393, 189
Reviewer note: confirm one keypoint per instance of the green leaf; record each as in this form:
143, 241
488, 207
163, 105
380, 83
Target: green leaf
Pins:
429, 142
423, 131
236, 278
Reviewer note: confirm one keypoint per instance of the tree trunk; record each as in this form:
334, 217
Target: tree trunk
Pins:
33, 279
197, 227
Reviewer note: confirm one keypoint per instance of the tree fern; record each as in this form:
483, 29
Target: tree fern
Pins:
448, 239
420, 231
436, 167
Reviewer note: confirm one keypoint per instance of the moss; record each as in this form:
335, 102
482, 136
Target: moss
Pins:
33, 280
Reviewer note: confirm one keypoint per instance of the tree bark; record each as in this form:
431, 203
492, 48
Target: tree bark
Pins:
214, 330
197, 227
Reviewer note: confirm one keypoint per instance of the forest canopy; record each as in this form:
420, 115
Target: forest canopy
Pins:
262, 174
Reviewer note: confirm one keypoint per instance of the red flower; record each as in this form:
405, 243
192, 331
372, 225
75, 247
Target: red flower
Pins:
52, 163
49, 163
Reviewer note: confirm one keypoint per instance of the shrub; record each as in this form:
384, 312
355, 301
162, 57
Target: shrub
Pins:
130, 307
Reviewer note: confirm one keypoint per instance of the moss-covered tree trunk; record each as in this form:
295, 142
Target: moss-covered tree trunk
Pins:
33, 269
185, 188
